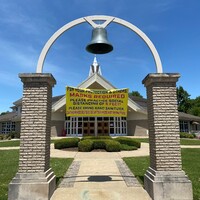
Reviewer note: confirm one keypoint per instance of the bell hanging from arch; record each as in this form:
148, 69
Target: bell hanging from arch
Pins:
99, 43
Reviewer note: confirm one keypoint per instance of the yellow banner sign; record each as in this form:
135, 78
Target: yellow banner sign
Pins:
86, 102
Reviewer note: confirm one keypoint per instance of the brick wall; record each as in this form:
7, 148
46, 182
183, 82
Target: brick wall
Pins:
163, 122
35, 123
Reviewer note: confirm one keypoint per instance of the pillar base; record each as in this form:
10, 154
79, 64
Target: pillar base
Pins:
32, 186
167, 185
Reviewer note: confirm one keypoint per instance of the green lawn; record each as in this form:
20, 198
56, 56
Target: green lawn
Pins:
13, 143
9, 143
190, 142
191, 165
183, 141
145, 140
9, 165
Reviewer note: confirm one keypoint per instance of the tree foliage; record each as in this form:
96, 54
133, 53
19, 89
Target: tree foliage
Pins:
3, 113
187, 105
183, 98
195, 106
136, 94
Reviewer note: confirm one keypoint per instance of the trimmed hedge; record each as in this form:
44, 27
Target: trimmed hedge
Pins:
85, 145
187, 135
128, 141
125, 147
112, 146
99, 144
89, 143
66, 143
96, 137
108, 145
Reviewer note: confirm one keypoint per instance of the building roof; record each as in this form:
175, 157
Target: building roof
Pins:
140, 101
18, 102
54, 99
57, 98
188, 117
10, 116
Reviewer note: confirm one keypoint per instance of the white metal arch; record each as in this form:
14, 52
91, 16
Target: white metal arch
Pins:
91, 20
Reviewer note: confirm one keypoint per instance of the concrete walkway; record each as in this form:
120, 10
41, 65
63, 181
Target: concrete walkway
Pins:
101, 175
98, 175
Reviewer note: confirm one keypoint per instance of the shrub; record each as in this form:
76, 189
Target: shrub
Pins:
128, 141
5, 137
125, 147
99, 144
11, 135
112, 146
96, 137
85, 145
66, 143
1, 137
194, 135
17, 134
186, 135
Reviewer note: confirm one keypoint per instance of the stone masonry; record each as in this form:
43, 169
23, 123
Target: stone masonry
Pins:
35, 179
164, 179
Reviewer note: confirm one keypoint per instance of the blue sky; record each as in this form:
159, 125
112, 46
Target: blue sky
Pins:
26, 25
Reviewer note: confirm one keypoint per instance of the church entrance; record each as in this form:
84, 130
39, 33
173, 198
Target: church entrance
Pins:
89, 128
95, 126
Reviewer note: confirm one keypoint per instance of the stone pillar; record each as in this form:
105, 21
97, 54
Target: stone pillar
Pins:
34, 179
164, 179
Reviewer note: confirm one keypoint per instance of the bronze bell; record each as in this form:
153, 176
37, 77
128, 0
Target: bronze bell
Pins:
99, 43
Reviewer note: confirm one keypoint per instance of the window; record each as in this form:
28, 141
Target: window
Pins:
118, 126
184, 127
8, 127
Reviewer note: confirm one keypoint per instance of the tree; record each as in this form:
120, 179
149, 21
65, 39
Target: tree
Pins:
136, 94
184, 102
195, 106
3, 113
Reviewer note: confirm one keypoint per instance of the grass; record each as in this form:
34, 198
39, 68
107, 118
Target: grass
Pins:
145, 140
9, 165
138, 165
190, 142
191, 165
182, 141
10, 143
13, 143
60, 166
8, 168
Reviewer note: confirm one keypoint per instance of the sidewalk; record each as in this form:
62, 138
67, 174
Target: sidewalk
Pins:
101, 175
98, 176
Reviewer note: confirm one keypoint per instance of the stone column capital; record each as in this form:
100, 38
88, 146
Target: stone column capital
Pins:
160, 78
37, 77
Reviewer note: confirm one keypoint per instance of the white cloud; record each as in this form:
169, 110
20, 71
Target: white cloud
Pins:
163, 6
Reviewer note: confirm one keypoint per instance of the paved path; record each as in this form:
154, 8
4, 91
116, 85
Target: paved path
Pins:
99, 176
